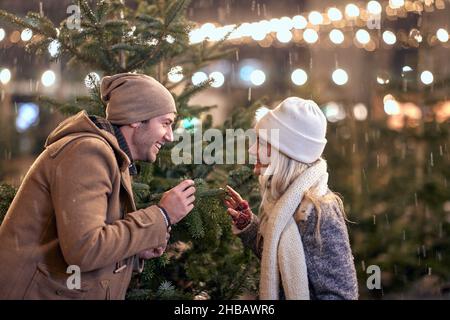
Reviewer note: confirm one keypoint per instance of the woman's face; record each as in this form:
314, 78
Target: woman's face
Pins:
261, 150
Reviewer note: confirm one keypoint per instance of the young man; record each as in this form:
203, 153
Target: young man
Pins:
75, 206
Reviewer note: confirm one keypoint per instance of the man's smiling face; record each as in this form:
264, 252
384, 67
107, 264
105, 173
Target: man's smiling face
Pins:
149, 137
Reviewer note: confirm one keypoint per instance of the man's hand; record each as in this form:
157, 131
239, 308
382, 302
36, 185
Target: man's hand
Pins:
152, 253
179, 201
155, 252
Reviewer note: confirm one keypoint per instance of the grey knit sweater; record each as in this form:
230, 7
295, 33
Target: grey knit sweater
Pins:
330, 266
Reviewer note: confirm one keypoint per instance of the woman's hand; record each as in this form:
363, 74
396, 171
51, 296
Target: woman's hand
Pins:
238, 209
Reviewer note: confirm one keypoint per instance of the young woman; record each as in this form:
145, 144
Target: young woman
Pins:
300, 233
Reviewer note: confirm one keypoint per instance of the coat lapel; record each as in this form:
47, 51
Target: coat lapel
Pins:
125, 180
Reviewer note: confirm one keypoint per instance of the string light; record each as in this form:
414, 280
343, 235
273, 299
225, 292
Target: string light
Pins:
92, 80
53, 48
334, 112
26, 35
14, 37
260, 30
262, 25
407, 69
274, 24
27, 115
284, 36
286, 23
351, 10
310, 36
220, 33
315, 17
48, 78
299, 77
363, 36
415, 34
207, 27
374, 7
334, 14
5, 76
282, 26
218, 79
442, 35
336, 36
299, 22
245, 72
131, 32
381, 80
2, 34
153, 42
395, 4
261, 112
170, 39
426, 77
340, 77
175, 74
198, 78
196, 36
360, 112
389, 37
257, 77
391, 106
189, 123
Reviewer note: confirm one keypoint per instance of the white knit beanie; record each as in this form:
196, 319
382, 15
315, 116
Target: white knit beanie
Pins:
302, 128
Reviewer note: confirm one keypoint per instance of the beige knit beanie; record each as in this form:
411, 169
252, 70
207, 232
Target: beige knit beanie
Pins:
301, 126
132, 97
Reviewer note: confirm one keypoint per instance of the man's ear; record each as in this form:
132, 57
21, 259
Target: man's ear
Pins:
134, 125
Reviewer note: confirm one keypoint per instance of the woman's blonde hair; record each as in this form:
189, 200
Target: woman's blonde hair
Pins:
279, 175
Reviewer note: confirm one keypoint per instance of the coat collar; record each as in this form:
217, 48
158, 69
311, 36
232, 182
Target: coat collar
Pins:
80, 125
115, 130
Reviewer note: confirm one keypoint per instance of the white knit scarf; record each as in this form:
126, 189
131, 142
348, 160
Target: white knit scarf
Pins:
283, 253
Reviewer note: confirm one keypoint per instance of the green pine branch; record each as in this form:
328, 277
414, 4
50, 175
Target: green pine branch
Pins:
7, 194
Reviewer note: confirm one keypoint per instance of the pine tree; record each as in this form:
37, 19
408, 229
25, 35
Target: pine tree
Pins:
395, 187
7, 194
